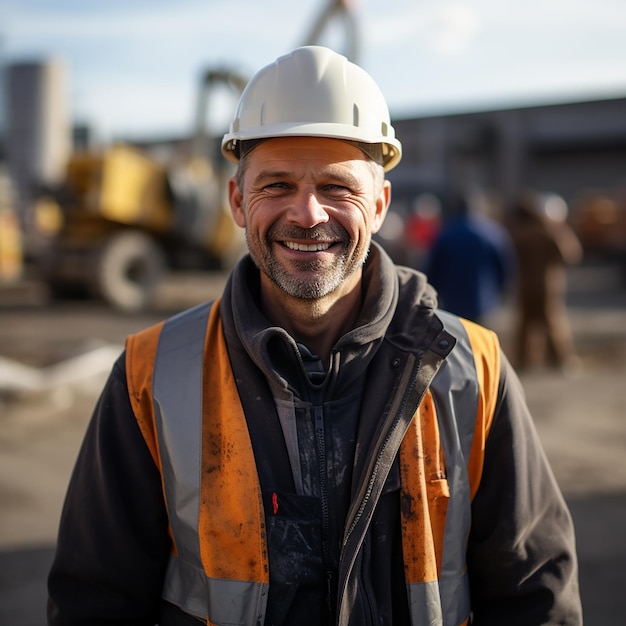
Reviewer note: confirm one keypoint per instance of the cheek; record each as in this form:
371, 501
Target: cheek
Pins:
356, 223
258, 217
367, 222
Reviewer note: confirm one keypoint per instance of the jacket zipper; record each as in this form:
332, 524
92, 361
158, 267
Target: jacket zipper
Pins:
318, 413
403, 405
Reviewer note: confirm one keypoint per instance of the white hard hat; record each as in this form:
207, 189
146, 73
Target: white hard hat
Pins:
314, 92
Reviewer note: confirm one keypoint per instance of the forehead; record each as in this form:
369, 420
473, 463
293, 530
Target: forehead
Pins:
305, 151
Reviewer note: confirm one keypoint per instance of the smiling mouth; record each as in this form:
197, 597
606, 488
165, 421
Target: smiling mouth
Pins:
310, 247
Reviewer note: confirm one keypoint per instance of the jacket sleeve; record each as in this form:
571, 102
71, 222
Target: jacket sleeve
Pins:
521, 554
113, 542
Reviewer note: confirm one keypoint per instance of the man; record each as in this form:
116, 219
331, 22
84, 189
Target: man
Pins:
321, 445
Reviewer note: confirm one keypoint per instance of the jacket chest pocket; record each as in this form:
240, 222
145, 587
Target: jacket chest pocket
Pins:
294, 538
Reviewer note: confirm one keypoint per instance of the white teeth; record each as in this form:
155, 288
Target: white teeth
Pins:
314, 247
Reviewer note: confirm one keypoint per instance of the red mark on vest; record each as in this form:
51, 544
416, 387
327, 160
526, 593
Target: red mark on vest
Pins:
275, 502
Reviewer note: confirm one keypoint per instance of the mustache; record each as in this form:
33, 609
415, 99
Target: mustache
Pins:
322, 232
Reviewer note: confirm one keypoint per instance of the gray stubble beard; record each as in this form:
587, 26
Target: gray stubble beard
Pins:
306, 289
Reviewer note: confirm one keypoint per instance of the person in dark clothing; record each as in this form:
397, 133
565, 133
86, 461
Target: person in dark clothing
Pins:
472, 262
321, 445
545, 246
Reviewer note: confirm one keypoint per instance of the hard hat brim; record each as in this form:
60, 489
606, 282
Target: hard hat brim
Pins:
392, 148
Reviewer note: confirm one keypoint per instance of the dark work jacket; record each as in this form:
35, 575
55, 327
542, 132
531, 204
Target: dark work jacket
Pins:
114, 545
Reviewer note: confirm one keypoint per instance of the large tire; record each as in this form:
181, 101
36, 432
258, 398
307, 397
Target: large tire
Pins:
129, 268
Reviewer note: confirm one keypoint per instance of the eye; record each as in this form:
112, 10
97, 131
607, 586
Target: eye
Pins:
276, 186
337, 190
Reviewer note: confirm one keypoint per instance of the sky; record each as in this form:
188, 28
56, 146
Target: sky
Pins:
134, 66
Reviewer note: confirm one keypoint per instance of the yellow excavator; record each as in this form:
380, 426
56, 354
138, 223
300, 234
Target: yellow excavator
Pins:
128, 217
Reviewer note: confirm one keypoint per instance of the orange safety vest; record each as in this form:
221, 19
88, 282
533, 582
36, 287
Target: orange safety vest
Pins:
186, 403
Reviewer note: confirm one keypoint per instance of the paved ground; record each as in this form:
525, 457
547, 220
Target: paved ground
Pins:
580, 417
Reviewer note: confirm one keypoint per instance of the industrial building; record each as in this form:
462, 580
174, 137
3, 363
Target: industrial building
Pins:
561, 148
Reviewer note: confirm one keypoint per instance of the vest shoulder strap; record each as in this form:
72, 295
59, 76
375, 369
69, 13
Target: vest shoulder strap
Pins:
485, 348
457, 411
218, 570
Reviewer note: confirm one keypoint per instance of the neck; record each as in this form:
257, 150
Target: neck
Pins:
318, 324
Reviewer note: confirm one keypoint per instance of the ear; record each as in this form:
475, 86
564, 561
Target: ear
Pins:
382, 204
235, 197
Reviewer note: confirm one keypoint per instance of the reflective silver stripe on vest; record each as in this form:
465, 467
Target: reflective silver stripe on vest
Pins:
223, 602
455, 393
425, 604
177, 398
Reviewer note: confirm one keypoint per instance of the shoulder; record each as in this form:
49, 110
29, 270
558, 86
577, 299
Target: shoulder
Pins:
483, 342
479, 354
141, 347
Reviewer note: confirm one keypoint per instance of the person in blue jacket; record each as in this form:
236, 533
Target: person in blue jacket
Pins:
471, 263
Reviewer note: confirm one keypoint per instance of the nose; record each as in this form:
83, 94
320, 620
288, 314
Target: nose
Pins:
306, 210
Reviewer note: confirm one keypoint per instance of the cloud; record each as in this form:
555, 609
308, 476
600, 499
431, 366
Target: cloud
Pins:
454, 27
441, 27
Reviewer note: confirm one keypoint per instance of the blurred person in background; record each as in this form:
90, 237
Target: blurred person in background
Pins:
545, 247
321, 445
421, 228
472, 261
